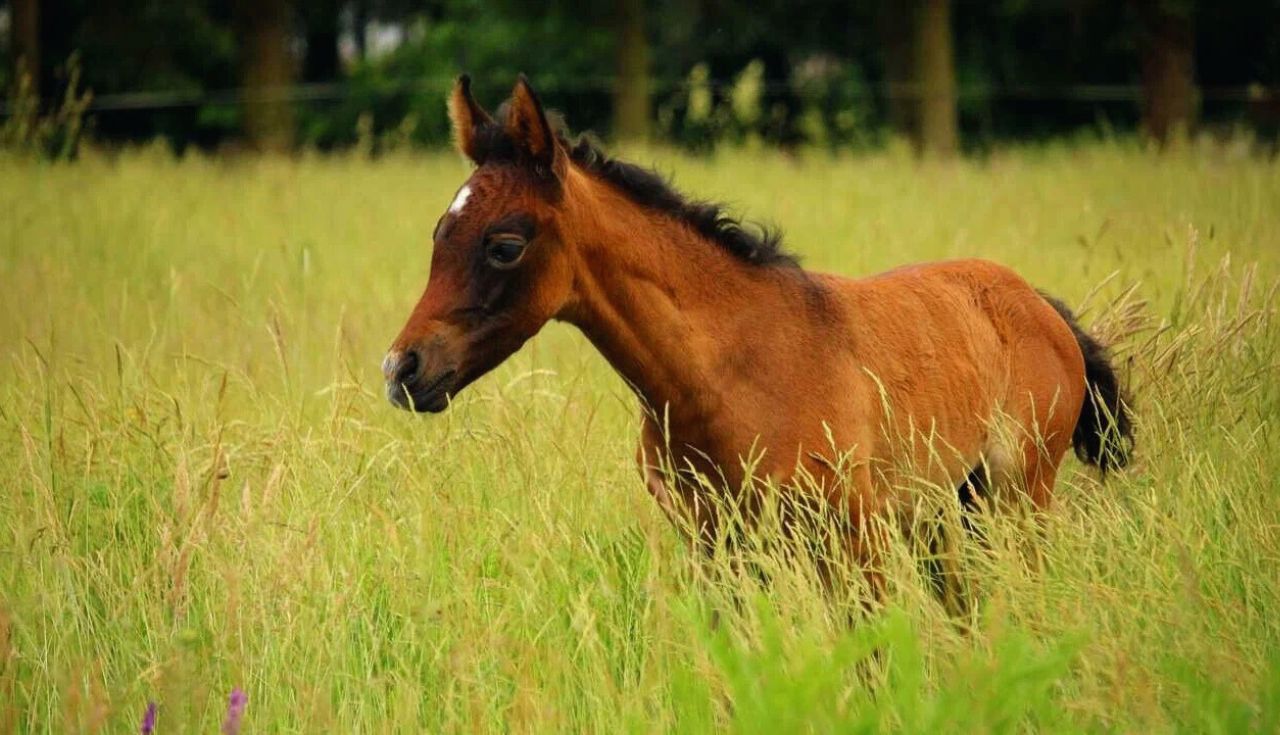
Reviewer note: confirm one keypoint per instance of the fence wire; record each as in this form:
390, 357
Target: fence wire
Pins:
341, 91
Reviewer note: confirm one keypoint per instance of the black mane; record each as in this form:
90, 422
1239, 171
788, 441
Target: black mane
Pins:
752, 243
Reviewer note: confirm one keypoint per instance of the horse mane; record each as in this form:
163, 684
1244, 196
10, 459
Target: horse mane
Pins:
750, 242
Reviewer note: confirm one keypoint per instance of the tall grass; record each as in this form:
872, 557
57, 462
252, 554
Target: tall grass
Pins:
202, 488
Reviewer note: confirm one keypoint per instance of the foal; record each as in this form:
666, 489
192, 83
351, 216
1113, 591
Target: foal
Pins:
957, 373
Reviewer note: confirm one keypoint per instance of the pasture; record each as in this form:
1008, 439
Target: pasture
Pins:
202, 486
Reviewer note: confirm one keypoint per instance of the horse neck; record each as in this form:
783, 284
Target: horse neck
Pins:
668, 309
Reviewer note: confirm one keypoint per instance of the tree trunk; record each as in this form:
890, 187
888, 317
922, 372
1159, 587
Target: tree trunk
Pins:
360, 26
1167, 47
321, 63
631, 87
895, 24
267, 72
24, 32
936, 79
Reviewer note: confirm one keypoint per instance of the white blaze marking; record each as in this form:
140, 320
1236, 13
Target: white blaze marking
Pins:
460, 201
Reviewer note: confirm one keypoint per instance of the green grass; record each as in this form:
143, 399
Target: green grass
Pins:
202, 487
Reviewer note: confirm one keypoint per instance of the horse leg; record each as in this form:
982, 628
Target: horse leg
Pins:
692, 521
864, 541
942, 544
1038, 485
655, 482
942, 566
973, 492
1029, 489
1041, 455
1043, 460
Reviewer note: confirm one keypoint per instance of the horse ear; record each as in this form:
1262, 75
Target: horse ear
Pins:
528, 128
467, 116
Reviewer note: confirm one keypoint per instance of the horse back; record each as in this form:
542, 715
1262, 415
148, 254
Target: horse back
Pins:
952, 345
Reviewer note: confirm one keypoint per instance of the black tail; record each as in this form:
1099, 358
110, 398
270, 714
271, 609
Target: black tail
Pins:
1104, 433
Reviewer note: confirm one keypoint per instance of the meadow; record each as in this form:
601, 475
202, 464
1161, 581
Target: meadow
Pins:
202, 486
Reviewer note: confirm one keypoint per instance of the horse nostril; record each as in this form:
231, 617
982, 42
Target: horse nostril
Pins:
407, 370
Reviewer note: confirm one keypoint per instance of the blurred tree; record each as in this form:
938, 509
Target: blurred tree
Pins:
831, 73
175, 50
936, 79
632, 95
321, 28
360, 26
267, 70
24, 23
895, 25
1167, 49
919, 65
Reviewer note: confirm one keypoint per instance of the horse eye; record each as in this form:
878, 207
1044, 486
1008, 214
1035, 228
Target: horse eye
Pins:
504, 251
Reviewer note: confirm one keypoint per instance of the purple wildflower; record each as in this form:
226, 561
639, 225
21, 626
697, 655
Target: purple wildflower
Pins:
149, 720
235, 712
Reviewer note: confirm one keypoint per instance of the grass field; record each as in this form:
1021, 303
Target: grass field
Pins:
202, 487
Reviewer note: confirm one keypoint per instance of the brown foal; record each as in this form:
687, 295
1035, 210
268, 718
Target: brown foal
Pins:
955, 373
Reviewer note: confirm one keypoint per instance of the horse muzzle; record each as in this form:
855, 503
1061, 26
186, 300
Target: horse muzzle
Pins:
413, 384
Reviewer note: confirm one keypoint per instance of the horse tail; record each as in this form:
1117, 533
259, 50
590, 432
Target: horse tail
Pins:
1103, 435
